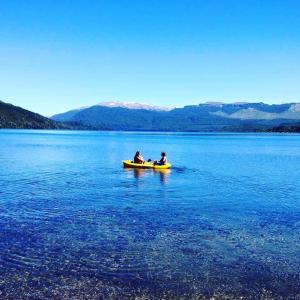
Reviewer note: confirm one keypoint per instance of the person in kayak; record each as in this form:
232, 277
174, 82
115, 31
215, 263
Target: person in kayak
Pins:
138, 158
162, 161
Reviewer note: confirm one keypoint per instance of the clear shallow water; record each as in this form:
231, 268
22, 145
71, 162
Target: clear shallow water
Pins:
74, 224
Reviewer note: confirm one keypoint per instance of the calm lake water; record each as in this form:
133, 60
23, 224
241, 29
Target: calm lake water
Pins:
224, 222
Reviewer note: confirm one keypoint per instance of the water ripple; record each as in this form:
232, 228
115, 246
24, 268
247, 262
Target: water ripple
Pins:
75, 225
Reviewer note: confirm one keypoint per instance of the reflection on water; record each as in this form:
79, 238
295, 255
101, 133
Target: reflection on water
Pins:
139, 173
163, 174
75, 225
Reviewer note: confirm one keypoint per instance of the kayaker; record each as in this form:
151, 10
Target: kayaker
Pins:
138, 158
162, 161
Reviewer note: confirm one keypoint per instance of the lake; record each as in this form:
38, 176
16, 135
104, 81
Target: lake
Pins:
223, 222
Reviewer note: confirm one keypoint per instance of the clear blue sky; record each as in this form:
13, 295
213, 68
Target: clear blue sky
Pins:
61, 54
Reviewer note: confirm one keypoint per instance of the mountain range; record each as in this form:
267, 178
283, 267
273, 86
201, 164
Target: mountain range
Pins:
210, 116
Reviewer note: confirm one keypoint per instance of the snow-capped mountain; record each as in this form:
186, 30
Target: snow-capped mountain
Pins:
133, 105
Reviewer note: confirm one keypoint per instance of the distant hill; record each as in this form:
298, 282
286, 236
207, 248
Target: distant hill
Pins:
16, 117
212, 116
291, 128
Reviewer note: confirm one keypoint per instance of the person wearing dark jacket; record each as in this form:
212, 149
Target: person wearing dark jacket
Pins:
138, 158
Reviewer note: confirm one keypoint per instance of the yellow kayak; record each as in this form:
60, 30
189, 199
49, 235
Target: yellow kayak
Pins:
145, 165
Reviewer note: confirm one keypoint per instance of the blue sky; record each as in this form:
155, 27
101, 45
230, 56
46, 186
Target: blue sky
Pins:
57, 55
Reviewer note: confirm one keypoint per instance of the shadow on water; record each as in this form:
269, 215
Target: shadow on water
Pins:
180, 169
184, 170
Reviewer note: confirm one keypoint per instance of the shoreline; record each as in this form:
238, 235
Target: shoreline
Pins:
154, 131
